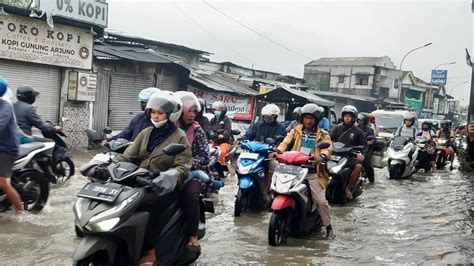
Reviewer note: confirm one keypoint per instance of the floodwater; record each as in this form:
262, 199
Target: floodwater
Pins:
428, 218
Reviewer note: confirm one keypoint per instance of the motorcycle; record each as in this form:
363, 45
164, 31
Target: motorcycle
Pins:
442, 153
425, 152
113, 230
252, 175
112, 148
340, 171
292, 208
215, 152
61, 161
402, 155
31, 176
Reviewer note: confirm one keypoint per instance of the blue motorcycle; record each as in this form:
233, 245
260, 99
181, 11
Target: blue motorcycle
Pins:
252, 174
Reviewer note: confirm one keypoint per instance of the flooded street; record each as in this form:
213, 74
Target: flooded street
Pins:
428, 218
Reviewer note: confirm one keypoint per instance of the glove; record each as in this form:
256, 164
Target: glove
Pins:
166, 182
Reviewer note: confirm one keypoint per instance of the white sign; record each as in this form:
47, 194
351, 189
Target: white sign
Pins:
31, 40
237, 107
82, 86
88, 11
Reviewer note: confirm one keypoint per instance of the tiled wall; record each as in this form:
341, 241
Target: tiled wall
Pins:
76, 116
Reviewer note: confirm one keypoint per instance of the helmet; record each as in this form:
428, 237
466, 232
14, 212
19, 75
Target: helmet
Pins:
3, 86
349, 109
188, 99
311, 109
220, 105
27, 94
409, 116
435, 124
297, 113
167, 101
444, 122
426, 122
270, 109
372, 118
146, 94
364, 117
203, 105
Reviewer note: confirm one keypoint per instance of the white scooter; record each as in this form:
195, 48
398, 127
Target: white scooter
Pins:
402, 156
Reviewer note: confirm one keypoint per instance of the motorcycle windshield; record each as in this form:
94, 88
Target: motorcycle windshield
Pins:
254, 146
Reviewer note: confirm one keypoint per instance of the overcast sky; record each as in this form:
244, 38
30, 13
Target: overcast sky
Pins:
301, 31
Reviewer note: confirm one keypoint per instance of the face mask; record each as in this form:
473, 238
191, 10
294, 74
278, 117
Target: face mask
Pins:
217, 114
267, 119
158, 124
425, 129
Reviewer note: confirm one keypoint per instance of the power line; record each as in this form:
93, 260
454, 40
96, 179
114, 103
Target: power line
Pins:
254, 31
213, 35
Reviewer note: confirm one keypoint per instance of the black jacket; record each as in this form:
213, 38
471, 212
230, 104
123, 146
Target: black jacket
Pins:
353, 137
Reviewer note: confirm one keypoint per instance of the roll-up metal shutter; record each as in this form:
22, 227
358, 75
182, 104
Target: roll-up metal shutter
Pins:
167, 80
45, 78
123, 104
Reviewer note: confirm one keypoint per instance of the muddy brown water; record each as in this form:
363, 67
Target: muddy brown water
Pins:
428, 218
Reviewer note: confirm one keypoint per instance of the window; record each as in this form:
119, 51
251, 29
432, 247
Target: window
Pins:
341, 79
362, 79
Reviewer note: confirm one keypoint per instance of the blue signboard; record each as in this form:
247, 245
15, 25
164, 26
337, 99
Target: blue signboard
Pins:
439, 77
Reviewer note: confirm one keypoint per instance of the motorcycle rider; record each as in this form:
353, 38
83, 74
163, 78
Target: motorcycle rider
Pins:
363, 122
373, 125
140, 121
269, 128
408, 129
324, 123
446, 132
9, 147
222, 126
163, 109
304, 138
429, 134
350, 135
296, 117
25, 113
201, 119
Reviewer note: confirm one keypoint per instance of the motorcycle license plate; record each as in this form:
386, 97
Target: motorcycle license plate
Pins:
288, 169
249, 155
100, 192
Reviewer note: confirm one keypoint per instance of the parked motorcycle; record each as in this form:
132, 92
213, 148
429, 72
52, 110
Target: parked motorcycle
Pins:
292, 207
402, 155
426, 150
252, 175
61, 161
31, 176
106, 216
340, 170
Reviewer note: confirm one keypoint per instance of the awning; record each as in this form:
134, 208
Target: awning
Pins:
133, 53
342, 95
221, 82
414, 88
282, 94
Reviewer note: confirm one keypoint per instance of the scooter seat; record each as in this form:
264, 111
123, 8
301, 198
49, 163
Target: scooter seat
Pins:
27, 148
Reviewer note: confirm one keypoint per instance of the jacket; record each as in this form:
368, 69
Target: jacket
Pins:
222, 123
136, 125
294, 139
199, 145
353, 137
261, 131
157, 161
26, 117
8, 133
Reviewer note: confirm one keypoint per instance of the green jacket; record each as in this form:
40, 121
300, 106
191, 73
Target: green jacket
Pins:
157, 161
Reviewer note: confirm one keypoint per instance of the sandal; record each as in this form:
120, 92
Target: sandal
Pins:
193, 246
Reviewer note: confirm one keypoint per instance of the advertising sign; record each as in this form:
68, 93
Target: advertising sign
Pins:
238, 108
439, 77
88, 11
82, 86
31, 40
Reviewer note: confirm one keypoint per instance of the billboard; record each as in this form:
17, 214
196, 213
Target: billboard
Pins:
439, 77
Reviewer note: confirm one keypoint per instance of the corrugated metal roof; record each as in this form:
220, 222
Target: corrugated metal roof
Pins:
351, 61
104, 56
342, 95
221, 82
139, 54
310, 97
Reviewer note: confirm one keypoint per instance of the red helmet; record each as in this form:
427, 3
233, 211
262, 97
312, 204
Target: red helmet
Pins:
372, 118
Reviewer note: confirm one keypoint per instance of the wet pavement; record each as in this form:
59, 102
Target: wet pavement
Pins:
428, 218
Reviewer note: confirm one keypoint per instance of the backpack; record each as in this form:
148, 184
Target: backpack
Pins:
400, 132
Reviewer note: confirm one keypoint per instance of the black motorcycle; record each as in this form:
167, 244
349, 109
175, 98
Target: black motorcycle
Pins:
112, 228
426, 150
61, 161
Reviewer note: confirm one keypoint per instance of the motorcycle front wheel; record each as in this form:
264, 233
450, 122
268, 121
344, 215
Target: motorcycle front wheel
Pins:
278, 228
240, 202
33, 188
63, 170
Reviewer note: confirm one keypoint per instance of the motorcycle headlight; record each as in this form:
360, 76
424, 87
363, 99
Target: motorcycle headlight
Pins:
103, 226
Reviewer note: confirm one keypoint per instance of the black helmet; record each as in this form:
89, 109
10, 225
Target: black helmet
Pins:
27, 94
364, 117
311, 109
426, 122
297, 113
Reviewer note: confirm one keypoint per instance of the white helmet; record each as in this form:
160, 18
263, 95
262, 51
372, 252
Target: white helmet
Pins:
168, 102
146, 94
188, 99
270, 109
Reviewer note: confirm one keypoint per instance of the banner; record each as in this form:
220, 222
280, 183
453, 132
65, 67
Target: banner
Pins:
32, 40
88, 11
238, 108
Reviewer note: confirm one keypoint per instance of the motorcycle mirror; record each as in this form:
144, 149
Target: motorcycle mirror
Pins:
93, 135
235, 132
269, 141
324, 145
107, 130
174, 149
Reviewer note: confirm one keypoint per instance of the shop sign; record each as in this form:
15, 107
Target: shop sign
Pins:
88, 11
82, 86
238, 108
32, 40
